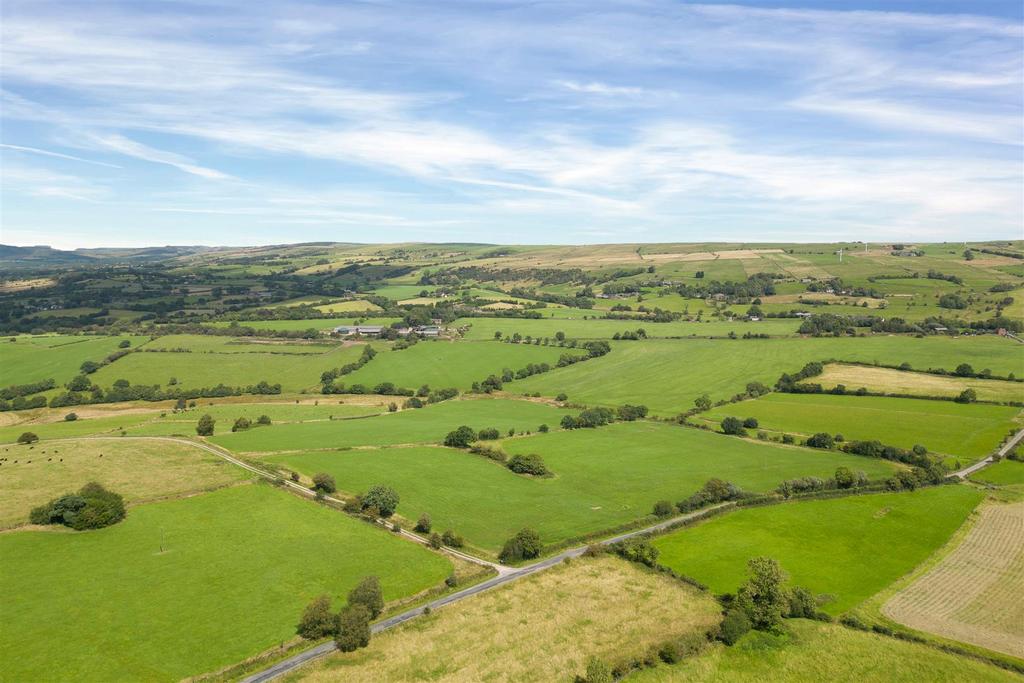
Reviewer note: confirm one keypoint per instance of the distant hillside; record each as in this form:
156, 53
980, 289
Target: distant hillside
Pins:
41, 256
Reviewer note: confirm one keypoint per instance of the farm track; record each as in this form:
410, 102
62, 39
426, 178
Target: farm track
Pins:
981, 464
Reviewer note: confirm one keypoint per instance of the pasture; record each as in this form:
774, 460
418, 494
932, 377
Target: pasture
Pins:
812, 652
209, 343
58, 357
850, 547
973, 594
603, 478
667, 375
1003, 473
429, 424
483, 329
606, 608
969, 431
138, 469
187, 586
889, 381
292, 371
306, 323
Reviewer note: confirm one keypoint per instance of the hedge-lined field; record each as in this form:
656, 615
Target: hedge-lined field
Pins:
602, 477
850, 547
889, 381
58, 357
484, 328
237, 567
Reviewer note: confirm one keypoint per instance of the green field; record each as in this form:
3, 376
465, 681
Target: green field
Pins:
306, 324
424, 425
199, 343
292, 371
667, 375
970, 431
57, 357
451, 364
81, 427
813, 652
483, 329
603, 477
905, 383
238, 566
1003, 473
850, 548
226, 414
138, 469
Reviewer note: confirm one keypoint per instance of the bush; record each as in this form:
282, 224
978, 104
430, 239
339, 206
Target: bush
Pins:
964, 370
967, 396
733, 425
488, 434
28, 437
629, 413
353, 630
423, 524
368, 593
543, 429
524, 545
663, 508
734, 626
205, 425
70, 417
383, 498
802, 604
562, 398
636, 550
435, 541
451, 539
460, 438
93, 507
528, 464
324, 483
714, 491
821, 440
597, 672
263, 420
750, 423
241, 423
317, 620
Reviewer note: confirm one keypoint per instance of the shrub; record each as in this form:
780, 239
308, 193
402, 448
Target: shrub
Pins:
967, 396
562, 398
543, 429
241, 424
324, 483
263, 420
460, 438
488, 434
630, 413
317, 620
353, 630
964, 370
802, 604
732, 425
714, 491
821, 440
663, 508
70, 417
93, 507
383, 498
636, 550
205, 425
451, 539
28, 437
597, 672
435, 541
423, 524
392, 407
528, 464
368, 593
734, 626
524, 545
750, 423
764, 597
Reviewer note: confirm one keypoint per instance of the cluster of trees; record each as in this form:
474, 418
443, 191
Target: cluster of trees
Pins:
630, 335
844, 478
122, 390
936, 275
17, 390
589, 418
792, 383
954, 301
93, 507
525, 545
531, 464
759, 284
328, 377
714, 491
350, 627
244, 423
737, 427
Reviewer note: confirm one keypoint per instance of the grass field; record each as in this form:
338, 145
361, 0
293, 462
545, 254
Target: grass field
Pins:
483, 329
847, 547
451, 364
603, 478
886, 380
1003, 473
604, 608
84, 427
306, 324
195, 370
57, 357
969, 431
813, 652
667, 375
138, 469
199, 343
225, 416
237, 567
973, 594
424, 425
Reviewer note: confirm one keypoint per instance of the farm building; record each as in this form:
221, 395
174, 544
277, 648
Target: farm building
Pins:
362, 330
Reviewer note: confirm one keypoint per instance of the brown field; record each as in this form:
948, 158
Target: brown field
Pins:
890, 381
21, 285
974, 594
542, 628
138, 469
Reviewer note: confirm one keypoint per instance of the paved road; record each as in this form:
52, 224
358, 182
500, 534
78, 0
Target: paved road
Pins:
968, 471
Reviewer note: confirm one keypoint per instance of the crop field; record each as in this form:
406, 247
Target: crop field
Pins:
195, 370
973, 594
889, 381
603, 478
57, 357
1003, 473
198, 583
667, 375
812, 652
483, 329
443, 364
850, 548
138, 469
969, 431
424, 425
605, 608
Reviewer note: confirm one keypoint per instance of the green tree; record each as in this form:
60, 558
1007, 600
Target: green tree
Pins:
460, 438
205, 425
733, 425
663, 508
368, 593
28, 437
845, 478
241, 424
423, 524
353, 629
384, 498
324, 483
763, 597
317, 620
967, 396
702, 403
735, 624
523, 546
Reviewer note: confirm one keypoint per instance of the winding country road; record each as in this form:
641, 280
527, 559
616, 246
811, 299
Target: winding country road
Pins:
968, 471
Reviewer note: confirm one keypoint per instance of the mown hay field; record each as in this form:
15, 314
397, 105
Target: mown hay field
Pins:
187, 586
541, 628
603, 477
967, 431
850, 547
889, 381
973, 594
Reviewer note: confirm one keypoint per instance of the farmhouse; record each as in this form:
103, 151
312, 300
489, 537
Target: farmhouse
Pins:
362, 330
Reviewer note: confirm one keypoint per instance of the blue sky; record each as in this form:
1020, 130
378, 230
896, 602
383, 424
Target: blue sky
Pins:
170, 122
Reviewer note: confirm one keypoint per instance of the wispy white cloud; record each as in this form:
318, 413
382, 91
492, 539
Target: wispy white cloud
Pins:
122, 145
56, 155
